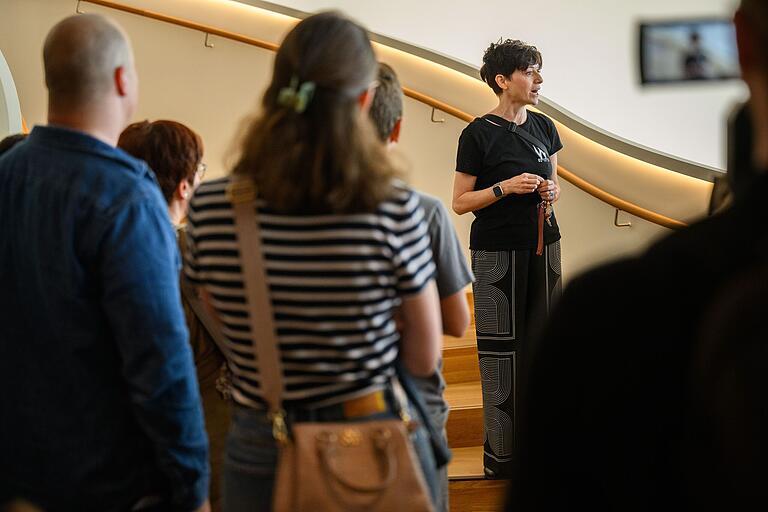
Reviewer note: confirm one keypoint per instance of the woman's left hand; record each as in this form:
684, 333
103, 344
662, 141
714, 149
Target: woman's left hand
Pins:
549, 191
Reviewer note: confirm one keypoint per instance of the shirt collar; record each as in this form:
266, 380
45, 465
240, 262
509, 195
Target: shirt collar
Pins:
70, 139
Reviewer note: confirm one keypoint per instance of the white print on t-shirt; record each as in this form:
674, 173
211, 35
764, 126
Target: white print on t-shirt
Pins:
541, 154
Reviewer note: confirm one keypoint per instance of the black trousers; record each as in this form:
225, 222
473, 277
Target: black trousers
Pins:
513, 293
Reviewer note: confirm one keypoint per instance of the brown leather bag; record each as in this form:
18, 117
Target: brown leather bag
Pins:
344, 466
349, 466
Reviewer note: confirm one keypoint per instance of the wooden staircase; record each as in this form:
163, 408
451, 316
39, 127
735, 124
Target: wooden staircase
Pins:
469, 490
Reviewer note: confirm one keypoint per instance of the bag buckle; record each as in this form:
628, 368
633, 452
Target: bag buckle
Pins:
279, 427
411, 425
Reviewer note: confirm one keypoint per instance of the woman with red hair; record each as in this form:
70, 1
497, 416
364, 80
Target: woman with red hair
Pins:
175, 152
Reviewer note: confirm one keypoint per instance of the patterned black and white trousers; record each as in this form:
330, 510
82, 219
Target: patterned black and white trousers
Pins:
513, 293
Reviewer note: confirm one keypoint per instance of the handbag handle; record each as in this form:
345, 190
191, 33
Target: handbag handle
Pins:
241, 192
326, 445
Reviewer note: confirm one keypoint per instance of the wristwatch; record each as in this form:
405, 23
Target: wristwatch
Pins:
498, 191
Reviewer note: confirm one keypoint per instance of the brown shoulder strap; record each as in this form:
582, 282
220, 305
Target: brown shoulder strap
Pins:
210, 324
242, 193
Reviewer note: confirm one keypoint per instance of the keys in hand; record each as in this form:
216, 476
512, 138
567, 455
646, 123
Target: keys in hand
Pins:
547, 189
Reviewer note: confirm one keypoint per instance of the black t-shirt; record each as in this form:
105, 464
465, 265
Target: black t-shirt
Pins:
493, 154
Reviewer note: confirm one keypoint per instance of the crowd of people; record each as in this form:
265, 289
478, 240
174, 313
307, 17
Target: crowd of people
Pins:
127, 338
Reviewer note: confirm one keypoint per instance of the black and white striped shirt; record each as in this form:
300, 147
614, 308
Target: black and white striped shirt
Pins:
334, 281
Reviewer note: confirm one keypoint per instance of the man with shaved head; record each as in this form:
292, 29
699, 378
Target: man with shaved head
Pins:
647, 391
90, 76
100, 408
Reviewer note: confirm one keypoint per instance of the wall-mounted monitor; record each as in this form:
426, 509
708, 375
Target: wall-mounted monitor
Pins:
688, 50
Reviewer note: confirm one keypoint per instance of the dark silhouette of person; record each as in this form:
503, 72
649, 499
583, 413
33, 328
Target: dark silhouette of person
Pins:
611, 404
695, 61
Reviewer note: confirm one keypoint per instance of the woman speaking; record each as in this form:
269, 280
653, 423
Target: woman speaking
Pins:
506, 175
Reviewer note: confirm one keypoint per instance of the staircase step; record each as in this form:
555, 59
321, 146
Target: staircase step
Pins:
465, 427
464, 395
465, 421
468, 340
460, 358
466, 464
460, 364
477, 495
469, 490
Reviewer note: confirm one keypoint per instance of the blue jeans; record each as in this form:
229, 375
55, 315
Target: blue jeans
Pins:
432, 390
251, 456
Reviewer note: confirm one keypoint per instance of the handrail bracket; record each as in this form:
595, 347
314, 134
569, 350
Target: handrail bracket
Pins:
620, 224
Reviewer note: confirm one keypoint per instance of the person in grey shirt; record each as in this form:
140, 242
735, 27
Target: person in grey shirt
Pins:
453, 273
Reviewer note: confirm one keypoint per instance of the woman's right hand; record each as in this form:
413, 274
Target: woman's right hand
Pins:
524, 183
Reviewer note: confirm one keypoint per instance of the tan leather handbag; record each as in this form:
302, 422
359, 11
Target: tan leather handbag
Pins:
343, 466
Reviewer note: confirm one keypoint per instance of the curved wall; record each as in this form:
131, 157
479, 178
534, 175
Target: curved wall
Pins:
214, 89
10, 111
590, 59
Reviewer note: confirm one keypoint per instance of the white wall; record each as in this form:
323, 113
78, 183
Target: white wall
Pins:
213, 89
209, 89
590, 59
10, 111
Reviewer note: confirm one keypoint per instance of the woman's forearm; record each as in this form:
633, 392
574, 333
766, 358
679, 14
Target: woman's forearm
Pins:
466, 199
474, 200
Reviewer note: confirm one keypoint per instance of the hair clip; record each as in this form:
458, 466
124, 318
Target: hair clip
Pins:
296, 96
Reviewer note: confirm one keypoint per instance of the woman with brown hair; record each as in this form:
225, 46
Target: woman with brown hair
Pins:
344, 246
175, 153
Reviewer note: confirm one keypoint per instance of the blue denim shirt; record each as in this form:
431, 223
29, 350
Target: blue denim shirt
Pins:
99, 404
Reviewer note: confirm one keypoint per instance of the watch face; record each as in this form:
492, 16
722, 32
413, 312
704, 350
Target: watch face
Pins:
497, 191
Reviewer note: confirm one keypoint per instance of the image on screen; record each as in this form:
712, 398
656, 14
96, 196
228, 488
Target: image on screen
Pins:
678, 51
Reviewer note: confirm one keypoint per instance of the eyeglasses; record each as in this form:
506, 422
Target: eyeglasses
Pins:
201, 168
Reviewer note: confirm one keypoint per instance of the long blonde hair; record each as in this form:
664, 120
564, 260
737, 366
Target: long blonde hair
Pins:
324, 157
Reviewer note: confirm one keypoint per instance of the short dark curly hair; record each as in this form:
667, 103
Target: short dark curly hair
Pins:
504, 57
